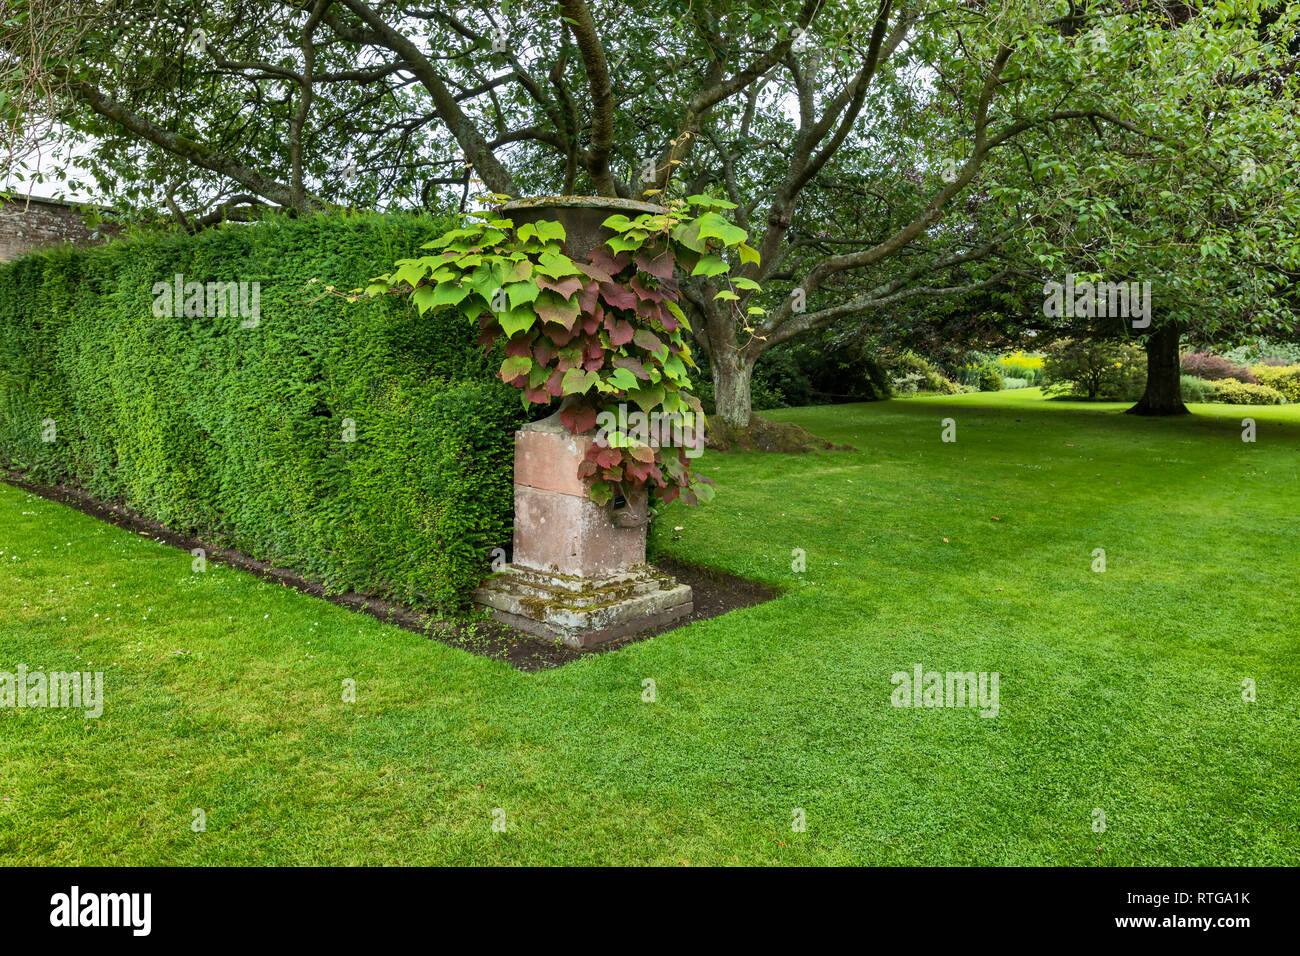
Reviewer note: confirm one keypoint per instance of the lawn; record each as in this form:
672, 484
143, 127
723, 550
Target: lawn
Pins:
1119, 691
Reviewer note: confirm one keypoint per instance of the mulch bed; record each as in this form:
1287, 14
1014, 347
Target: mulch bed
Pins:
716, 592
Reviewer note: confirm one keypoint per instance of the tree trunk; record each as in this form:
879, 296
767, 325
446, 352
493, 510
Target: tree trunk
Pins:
731, 376
1164, 376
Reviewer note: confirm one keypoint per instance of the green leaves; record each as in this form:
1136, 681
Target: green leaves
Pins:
521, 293
556, 265
710, 266
577, 381
517, 320
623, 379
711, 225
515, 367
546, 231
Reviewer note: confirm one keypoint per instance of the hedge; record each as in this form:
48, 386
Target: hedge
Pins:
236, 434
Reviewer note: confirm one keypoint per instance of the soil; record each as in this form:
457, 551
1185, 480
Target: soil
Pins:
715, 592
763, 434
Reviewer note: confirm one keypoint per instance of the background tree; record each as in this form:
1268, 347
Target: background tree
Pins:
879, 154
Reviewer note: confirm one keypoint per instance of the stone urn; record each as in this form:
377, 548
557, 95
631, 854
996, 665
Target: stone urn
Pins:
579, 573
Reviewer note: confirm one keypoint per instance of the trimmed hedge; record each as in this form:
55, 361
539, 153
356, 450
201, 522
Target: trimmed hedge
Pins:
236, 434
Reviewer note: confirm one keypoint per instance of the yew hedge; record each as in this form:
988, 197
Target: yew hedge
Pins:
236, 434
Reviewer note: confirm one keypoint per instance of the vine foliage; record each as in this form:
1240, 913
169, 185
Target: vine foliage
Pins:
600, 333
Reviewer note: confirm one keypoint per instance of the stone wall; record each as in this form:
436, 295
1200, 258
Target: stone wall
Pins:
27, 224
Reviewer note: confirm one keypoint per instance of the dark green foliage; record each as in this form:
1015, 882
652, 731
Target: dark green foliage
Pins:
840, 371
236, 434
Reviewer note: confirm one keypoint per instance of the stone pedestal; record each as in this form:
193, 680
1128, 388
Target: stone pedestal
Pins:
579, 573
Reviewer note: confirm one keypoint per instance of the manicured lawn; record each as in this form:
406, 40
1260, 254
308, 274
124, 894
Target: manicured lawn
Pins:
1119, 690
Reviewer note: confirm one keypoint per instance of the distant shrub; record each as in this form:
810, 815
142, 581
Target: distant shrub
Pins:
990, 379
1286, 379
1021, 365
1264, 352
1010, 383
1244, 393
1214, 367
1096, 368
948, 387
1197, 389
908, 384
839, 371
911, 373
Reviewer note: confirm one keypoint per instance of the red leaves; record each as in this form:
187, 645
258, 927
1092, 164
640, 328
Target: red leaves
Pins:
609, 263
650, 311
589, 298
631, 364
620, 297
621, 333
543, 352
592, 271
578, 418
565, 287
560, 334
659, 266
649, 341
643, 291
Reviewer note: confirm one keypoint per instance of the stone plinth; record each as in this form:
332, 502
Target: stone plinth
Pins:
558, 527
581, 611
579, 573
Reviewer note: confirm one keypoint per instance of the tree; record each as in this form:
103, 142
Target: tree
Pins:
866, 149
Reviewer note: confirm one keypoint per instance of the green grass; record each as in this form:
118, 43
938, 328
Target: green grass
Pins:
1119, 690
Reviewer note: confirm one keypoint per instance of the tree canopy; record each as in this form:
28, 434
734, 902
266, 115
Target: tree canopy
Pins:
884, 157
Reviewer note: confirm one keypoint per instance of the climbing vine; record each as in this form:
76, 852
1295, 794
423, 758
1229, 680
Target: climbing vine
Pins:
603, 334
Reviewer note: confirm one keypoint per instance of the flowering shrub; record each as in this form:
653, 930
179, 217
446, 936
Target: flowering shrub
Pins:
1243, 393
1022, 365
1286, 379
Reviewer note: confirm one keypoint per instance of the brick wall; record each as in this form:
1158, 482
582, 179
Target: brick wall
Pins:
30, 224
